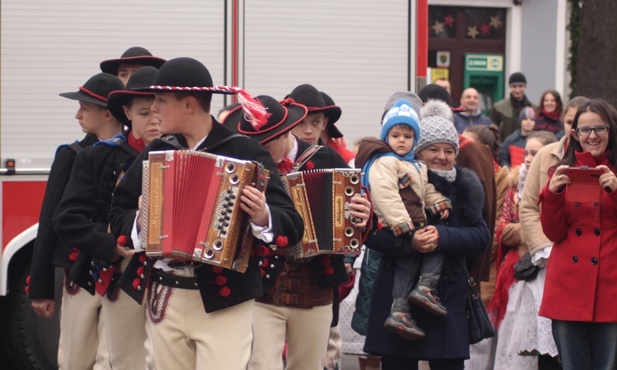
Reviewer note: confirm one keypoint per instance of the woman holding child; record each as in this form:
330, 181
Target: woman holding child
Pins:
464, 233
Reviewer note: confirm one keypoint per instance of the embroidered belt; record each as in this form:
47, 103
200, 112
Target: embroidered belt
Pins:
296, 287
174, 281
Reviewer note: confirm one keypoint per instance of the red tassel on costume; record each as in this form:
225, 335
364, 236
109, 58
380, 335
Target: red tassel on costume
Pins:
254, 111
121, 240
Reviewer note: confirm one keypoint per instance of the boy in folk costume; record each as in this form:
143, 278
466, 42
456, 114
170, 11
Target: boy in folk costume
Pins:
130, 61
200, 316
298, 295
81, 344
82, 219
401, 192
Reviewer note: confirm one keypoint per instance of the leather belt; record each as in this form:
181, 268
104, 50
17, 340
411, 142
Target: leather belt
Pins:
174, 281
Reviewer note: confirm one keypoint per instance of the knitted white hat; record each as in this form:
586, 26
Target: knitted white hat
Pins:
437, 125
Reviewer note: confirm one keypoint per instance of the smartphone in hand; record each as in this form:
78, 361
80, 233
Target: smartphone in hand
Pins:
585, 184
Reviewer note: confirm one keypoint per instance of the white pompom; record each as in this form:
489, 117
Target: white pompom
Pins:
436, 108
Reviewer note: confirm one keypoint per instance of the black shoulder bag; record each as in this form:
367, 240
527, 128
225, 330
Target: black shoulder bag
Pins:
480, 326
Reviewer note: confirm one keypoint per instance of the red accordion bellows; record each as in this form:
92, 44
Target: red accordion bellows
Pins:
322, 198
191, 209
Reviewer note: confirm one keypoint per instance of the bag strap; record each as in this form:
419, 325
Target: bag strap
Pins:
471, 282
305, 157
127, 148
218, 144
76, 147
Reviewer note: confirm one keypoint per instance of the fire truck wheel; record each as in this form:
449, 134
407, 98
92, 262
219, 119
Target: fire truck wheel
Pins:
31, 341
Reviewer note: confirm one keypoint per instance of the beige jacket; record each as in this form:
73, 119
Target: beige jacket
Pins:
529, 211
388, 175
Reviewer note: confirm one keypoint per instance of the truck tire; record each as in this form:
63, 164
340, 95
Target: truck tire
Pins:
31, 341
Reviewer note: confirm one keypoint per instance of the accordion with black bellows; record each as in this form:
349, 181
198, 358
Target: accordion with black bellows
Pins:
322, 198
191, 207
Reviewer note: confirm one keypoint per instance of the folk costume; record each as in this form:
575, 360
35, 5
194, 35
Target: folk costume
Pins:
298, 296
82, 220
132, 55
80, 320
200, 316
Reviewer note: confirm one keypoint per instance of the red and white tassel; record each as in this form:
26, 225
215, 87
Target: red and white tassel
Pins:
254, 111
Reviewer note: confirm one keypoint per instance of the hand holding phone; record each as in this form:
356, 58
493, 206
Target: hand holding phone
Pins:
584, 184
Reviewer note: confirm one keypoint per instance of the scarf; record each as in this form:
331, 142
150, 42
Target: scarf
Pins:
449, 175
137, 144
553, 116
518, 103
409, 157
284, 165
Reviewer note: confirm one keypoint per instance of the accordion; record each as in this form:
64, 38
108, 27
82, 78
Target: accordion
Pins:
191, 207
322, 198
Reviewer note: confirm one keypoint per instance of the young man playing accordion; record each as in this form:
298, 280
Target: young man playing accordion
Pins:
183, 334
298, 296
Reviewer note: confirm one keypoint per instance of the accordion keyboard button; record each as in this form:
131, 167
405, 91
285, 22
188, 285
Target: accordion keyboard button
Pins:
267, 276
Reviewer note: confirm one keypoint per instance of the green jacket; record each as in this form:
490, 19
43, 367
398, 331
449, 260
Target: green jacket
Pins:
505, 115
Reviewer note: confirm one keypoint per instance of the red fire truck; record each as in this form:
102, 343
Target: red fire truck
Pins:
360, 52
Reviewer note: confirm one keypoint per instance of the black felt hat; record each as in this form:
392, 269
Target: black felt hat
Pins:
309, 96
332, 116
186, 74
96, 89
436, 92
134, 55
143, 77
282, 117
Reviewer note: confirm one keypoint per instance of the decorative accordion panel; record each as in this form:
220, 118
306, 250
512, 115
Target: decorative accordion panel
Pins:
322, 198
191, 209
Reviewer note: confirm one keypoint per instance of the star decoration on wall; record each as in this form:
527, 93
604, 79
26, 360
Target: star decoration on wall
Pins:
449, 20
495, 22
472, 32
485, 29
438, 27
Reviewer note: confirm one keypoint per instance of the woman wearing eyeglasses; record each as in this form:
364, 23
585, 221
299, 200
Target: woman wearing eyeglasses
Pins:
580, 292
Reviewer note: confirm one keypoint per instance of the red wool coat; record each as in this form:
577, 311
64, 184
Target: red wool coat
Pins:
581, 276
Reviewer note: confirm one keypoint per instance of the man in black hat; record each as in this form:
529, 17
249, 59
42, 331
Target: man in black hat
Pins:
298, 296
82, 219
182, 333
130, 61
80, 327
505, 112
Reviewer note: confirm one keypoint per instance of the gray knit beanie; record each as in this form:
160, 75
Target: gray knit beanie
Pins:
437, 125
412, 98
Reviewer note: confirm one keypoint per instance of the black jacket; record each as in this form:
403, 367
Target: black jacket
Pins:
465, 235
324, 158
286, 221
49, 250
81, 219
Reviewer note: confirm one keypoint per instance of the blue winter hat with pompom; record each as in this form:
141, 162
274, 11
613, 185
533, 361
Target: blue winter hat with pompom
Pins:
401, 113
